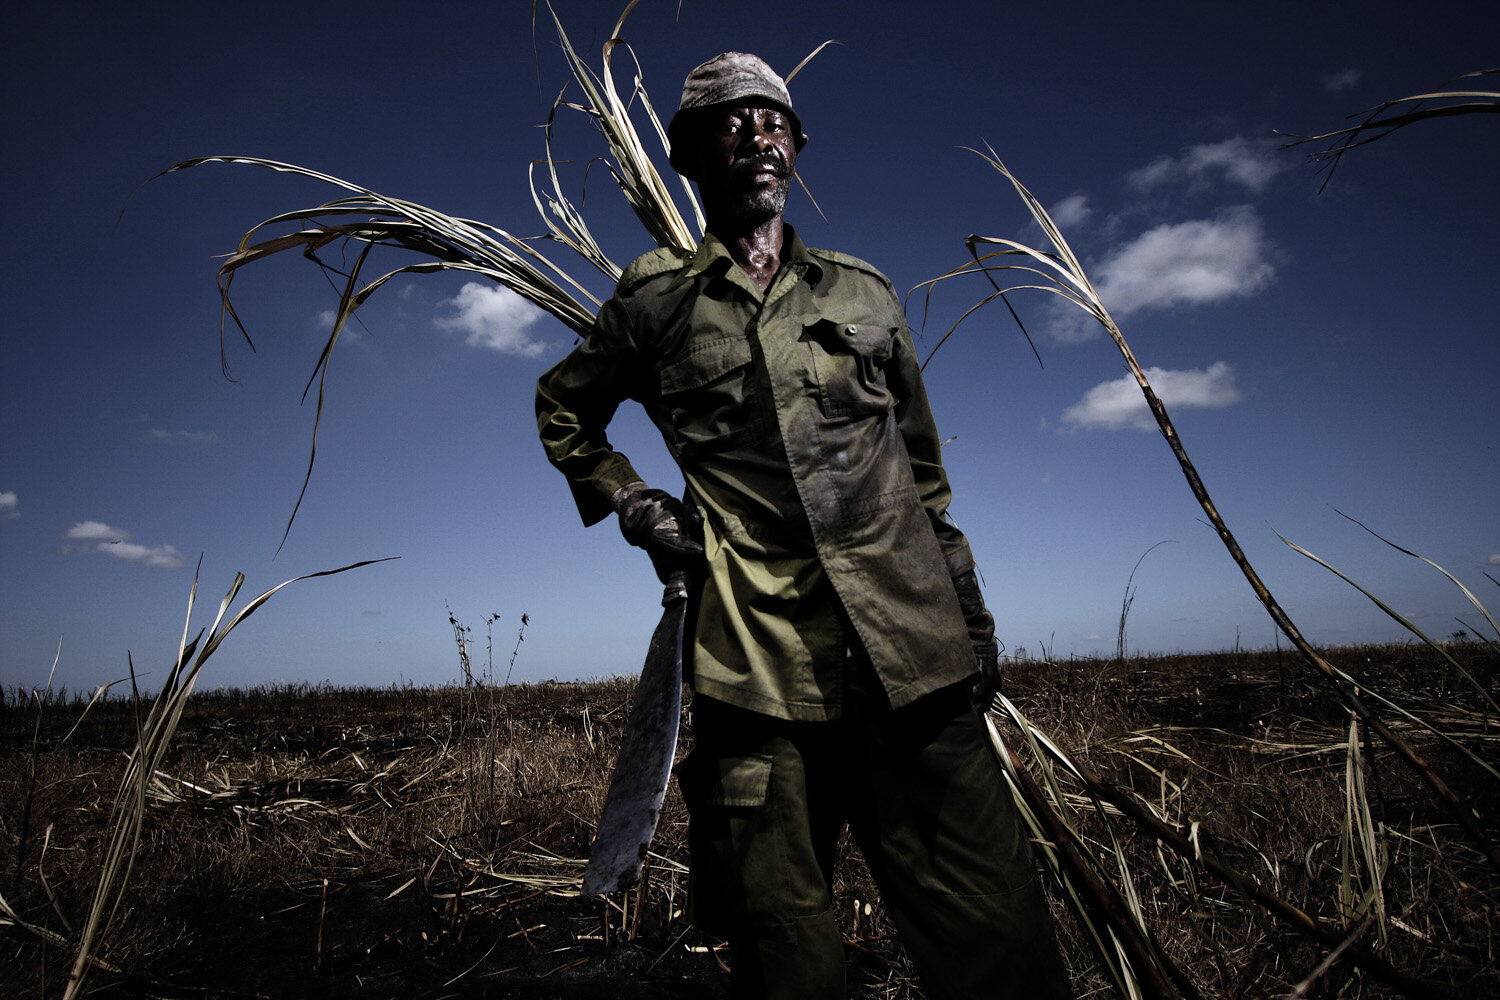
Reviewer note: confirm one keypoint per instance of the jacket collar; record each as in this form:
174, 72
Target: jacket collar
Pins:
712, 257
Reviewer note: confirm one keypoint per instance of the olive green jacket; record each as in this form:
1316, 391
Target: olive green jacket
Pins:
800, 423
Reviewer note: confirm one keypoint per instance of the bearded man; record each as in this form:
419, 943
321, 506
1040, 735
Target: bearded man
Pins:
840, 640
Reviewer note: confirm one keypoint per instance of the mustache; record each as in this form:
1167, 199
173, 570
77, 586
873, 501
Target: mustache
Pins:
768, 160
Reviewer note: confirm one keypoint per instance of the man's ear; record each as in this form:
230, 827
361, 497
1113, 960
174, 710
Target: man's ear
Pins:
690, 159
684, 134
689, 162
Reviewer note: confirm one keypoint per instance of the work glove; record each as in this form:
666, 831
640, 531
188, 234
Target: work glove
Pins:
981, 627
658, 522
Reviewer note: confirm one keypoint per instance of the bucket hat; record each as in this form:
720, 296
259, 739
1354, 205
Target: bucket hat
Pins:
728, 77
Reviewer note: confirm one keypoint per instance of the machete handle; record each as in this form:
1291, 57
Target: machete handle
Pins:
676, 589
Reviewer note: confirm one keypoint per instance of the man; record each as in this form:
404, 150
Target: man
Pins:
840, 627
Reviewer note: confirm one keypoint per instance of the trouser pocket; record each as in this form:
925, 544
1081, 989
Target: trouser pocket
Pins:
726, 801
759, 871
761, 850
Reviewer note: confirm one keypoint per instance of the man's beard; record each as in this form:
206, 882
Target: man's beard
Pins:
754, 207
762, 204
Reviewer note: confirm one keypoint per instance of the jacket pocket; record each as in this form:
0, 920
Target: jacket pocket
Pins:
707, 396
849, 360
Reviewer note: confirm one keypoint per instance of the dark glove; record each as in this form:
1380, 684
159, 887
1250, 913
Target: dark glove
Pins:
656, 521
981, 626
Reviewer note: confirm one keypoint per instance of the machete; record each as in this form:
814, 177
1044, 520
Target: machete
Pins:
644, 766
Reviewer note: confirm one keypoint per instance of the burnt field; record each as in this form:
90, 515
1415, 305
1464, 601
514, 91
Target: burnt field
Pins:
429, 843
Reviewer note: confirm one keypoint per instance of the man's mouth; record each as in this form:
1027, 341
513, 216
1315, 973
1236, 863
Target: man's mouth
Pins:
761, 166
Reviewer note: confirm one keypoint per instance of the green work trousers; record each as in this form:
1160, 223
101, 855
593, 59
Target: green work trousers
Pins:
927, 805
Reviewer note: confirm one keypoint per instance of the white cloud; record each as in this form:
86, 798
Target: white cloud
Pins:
1071, 211
1250, 163
1198, 262
1153, 174
96, 531
1495, 559
494, 317
1204, 260
1118, 404
156, 557
1342, 80
10, 505
96, 536
352, 333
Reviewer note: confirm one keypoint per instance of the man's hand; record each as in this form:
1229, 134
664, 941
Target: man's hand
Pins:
656, 521
981, 626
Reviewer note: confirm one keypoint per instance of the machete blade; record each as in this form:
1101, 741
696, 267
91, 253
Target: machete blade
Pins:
639, 783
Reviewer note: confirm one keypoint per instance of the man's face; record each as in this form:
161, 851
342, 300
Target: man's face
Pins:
745, 158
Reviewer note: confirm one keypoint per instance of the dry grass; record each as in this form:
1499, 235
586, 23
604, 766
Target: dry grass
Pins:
1389, 116
404, 842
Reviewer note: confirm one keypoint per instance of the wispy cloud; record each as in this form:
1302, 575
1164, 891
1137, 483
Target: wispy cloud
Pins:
181, 437
1073, 210
156, 556
494, 317
95, 531
1342, 80
1118, 404
1495, 559
10, 505
353, 332
96, 536
1249, 163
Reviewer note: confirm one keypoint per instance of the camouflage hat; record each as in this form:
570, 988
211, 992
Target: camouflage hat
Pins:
731, 76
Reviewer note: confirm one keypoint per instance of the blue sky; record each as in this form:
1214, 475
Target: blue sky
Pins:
1318, 352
